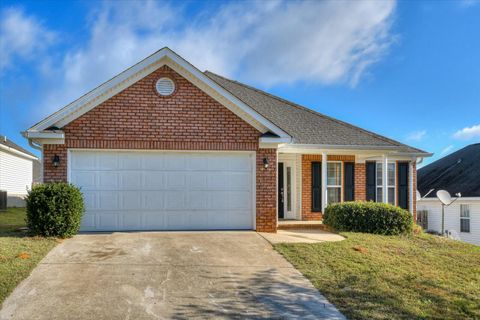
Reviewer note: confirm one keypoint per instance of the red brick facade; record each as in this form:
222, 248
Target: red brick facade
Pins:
360, 182
139, 118
267, 191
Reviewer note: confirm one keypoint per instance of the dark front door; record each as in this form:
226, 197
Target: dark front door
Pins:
280, 190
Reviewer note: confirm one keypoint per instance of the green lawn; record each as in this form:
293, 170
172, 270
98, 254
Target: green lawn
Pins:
19, 253
381, 277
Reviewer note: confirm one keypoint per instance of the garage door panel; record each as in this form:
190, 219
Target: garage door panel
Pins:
132, 221
153, 200
175, 199
153, 161
175, 180
154, 221
154, 180
174, 162
107, 180
125, 190
131, 180
108, 200
108, 221
131, 200
106, 161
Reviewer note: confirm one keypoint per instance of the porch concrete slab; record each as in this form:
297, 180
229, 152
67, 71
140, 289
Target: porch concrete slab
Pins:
166, 275
301, 236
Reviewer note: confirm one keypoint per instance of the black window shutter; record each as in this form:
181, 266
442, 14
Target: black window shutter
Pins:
403, 185
349, 181
371, 183
316, 186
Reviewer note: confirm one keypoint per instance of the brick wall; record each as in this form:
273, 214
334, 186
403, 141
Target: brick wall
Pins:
139, 118
360, 182
266, 191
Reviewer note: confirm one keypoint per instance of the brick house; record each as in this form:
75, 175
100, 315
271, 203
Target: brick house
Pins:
164, 146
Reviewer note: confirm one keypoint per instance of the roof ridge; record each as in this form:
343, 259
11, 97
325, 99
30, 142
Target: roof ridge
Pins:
293, 104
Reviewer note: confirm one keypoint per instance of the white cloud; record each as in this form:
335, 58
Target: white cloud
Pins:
416, 135
21, 36
468, 133
265, 43
446, 150
468, 3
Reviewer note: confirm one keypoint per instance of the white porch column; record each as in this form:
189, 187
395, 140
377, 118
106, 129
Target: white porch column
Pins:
385, 178
324, 181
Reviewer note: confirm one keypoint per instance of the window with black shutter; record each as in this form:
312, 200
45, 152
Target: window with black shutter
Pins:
403, 185
316, 186
349, 181
370, 181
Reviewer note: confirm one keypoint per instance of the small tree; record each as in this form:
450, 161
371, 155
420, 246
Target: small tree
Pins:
54, 210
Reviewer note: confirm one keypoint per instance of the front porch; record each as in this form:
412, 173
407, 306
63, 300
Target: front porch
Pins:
308, 181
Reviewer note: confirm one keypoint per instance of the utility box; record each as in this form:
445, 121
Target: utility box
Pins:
3, 200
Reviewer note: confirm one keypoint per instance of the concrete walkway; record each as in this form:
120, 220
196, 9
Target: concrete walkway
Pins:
166, 275
301, 236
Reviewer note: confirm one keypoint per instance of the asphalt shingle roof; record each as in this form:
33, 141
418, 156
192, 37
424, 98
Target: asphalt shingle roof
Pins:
457, 172
304, 125
6, 142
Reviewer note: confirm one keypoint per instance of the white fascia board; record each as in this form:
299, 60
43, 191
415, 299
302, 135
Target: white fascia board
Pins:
45, 137
125, 79
17, 152
461, 199
370, 151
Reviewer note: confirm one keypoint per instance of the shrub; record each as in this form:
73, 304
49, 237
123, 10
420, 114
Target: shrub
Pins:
54, 210
368, 217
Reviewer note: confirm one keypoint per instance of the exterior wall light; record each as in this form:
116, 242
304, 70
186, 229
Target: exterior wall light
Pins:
56, 160
265, 162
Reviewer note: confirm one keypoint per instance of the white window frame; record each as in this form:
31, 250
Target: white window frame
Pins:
388, 186
467, 217
339, 186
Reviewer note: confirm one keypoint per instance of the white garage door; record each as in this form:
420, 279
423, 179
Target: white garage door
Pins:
126, 190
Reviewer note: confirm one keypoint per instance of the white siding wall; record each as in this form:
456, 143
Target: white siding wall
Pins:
452, 217
15, 173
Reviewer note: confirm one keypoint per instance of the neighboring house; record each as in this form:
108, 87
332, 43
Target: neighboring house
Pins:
458, 172
164, 146
16, 171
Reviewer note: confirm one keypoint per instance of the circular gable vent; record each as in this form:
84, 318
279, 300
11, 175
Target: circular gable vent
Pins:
165, 86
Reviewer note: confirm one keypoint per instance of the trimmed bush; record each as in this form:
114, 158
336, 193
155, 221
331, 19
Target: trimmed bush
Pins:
368, 217
54, 210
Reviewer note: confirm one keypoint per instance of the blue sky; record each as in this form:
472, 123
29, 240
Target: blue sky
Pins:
409, 70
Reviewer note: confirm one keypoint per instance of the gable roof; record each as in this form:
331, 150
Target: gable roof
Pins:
305, 125
4, 141
164, 56
457, 172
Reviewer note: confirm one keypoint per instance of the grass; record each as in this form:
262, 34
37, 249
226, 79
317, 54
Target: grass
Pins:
19, 253
393, 277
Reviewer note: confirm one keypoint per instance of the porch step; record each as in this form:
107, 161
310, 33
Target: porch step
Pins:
296, 224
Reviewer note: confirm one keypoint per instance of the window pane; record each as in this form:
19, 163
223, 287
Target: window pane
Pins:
391, 174
391, 196
464, 225
334, 174
464, 210
333, 195
379, 194
379, 174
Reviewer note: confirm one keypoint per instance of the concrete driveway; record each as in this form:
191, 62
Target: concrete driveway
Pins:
166, 275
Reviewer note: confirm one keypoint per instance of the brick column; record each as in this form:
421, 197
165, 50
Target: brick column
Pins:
360, 182
266, 193
50, 172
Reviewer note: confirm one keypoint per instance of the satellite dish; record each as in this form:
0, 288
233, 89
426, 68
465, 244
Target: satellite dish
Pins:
444, 197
